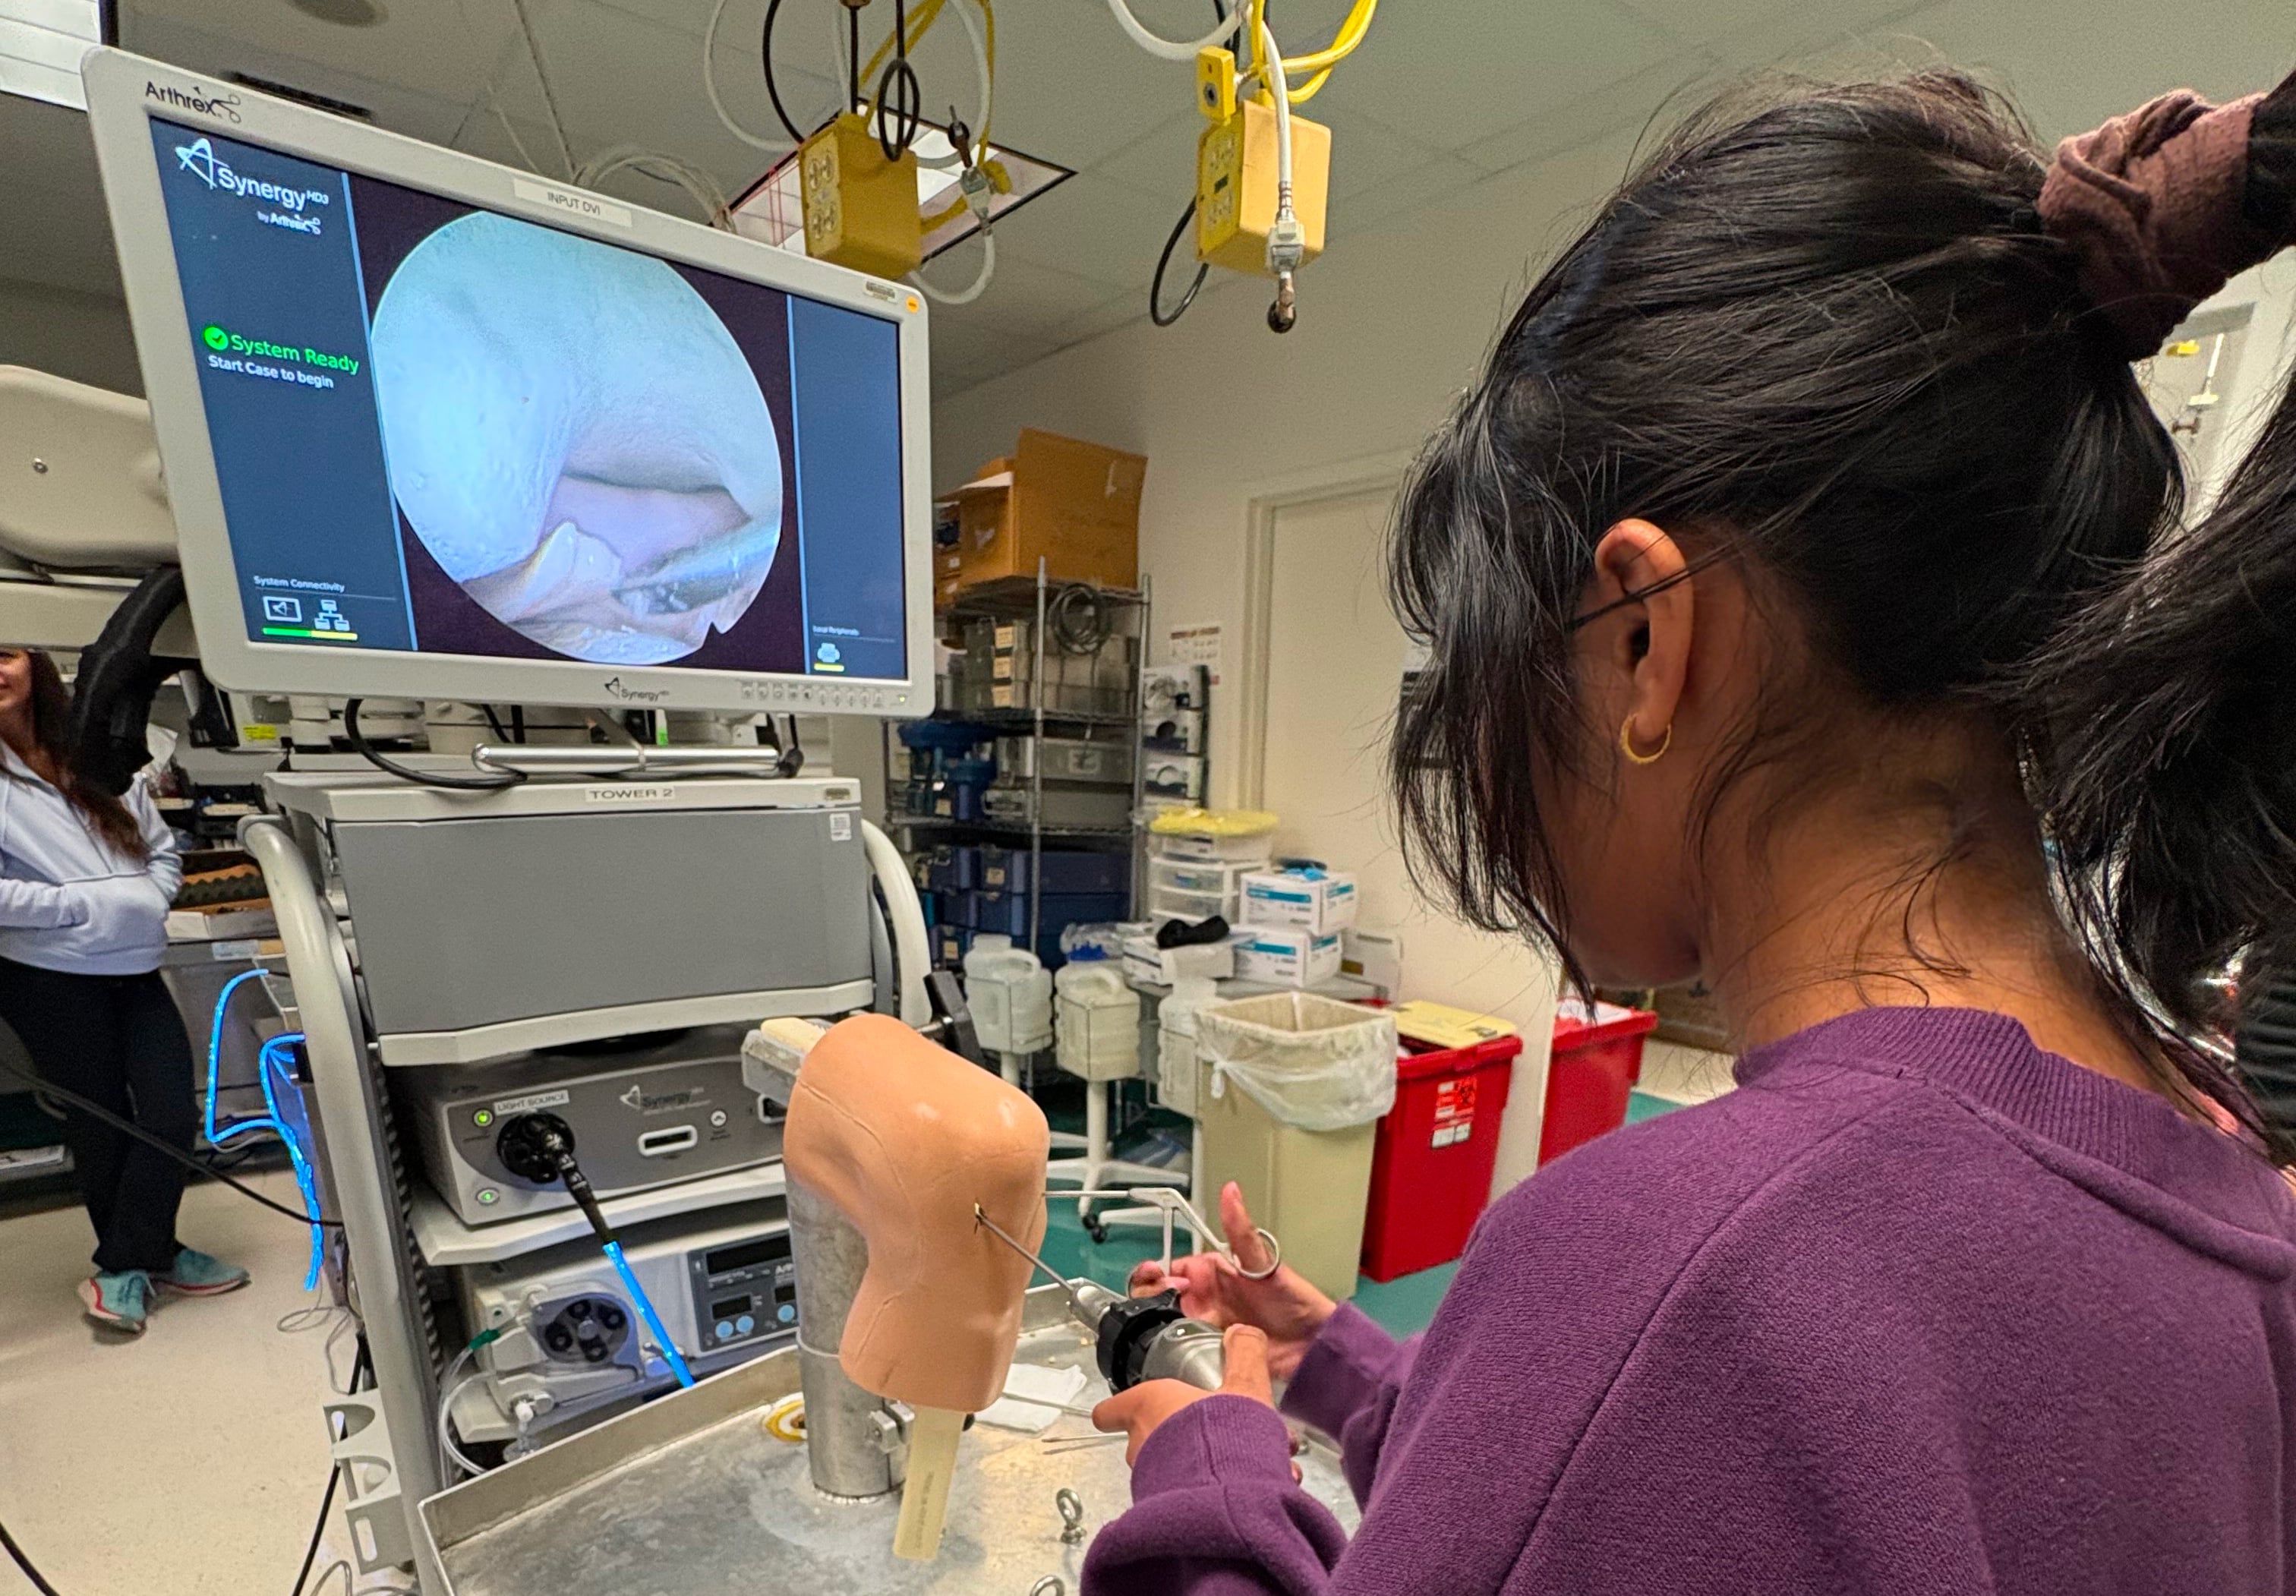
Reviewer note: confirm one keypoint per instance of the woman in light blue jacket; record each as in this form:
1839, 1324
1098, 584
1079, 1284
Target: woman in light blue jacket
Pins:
85, 880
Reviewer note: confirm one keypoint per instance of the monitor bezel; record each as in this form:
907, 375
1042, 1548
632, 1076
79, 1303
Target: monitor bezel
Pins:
126, 92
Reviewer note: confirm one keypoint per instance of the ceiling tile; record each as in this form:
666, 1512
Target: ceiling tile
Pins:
961, 344
1422, 184
1448, 83
1075, 92
2069, 78
1625, 104
1703, 22
1161, 161
1021, 296
1092, 227
950, 381
1131, 306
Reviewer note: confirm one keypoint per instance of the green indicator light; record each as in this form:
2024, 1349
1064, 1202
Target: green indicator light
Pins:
488, 1195
483, 1118
216, 337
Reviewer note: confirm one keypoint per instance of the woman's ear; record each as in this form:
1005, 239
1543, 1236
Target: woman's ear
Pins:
1654, 647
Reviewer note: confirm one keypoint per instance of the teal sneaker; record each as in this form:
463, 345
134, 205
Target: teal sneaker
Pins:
118, 1302
196, 1275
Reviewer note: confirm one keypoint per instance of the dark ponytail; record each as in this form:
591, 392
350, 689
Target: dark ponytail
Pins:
2163, 732
1827, 336
106, 814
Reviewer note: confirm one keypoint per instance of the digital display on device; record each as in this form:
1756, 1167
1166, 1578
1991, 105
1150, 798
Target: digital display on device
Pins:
443, 429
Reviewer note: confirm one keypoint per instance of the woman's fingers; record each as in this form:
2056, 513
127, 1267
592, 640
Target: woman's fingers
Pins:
1243, 1239
1246, 1349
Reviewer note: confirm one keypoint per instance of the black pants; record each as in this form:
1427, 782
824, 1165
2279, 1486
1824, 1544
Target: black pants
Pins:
118, 1041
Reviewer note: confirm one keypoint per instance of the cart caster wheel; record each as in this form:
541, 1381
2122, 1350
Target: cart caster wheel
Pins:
1093, 1227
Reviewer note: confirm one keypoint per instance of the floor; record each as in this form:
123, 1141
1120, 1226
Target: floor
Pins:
189, 1461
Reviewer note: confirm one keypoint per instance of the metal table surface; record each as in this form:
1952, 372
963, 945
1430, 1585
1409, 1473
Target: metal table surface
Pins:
689, 1496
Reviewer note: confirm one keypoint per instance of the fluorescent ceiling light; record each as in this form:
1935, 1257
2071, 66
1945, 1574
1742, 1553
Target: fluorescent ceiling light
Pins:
41, 42
773, 209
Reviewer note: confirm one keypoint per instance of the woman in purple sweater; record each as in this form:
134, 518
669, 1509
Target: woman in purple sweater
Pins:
1811, 609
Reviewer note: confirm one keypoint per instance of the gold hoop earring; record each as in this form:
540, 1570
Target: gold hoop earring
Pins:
1627, 743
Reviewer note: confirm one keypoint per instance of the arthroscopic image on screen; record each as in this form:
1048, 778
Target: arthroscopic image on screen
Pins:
583, 449
517, 441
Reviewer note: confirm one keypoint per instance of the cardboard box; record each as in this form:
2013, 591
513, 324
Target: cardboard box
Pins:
1076, 506
1376, 957
1287, 956
1438, 1025
1311, 900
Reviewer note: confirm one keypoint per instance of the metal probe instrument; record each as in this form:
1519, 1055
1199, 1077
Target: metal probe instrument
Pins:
1138, 1337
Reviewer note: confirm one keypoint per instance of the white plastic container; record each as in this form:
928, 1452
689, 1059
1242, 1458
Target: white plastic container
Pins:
1198, 875
1171, 903
1010, 992
1097, 1017
1177, 1059
1216, 850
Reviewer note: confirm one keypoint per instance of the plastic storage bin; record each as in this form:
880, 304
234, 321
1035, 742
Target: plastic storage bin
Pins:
1010, 992
1170, 902
1216, 835
1597, 1060
1064, 870
1176, 1054
1431, 1164
1198, 875
1007, 913
1273, 1062
1098, 1017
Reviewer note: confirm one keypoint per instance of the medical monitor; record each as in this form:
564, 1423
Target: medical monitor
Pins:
434, 428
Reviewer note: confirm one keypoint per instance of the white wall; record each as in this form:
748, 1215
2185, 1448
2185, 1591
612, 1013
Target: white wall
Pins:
84, 337
1393, 324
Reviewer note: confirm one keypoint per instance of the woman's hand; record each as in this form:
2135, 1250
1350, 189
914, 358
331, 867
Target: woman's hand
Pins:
1140, 1410
1211, 1289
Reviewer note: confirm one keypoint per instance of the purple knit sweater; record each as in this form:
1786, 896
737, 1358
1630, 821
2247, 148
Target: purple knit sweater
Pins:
1919, 1308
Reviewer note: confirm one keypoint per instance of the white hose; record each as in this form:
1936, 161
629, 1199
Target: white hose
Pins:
1172, 49
709, 86
448, 1391
907, 915
1282, 92
963, 296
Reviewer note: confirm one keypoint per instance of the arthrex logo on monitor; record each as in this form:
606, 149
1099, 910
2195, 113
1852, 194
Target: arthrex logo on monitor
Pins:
198, 101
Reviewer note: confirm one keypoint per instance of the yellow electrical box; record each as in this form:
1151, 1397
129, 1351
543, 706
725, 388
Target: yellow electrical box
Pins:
860, 208
1216, 84
1236, 186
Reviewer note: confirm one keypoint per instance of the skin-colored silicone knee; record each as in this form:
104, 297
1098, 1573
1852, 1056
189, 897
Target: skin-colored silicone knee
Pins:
904, 1137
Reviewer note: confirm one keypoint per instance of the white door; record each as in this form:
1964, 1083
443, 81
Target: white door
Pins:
1335, 661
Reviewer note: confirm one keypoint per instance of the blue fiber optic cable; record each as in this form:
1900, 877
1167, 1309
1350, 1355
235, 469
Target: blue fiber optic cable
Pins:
646, 1311
214, 1047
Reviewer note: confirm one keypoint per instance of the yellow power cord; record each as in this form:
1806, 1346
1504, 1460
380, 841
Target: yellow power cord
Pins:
1320, 62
